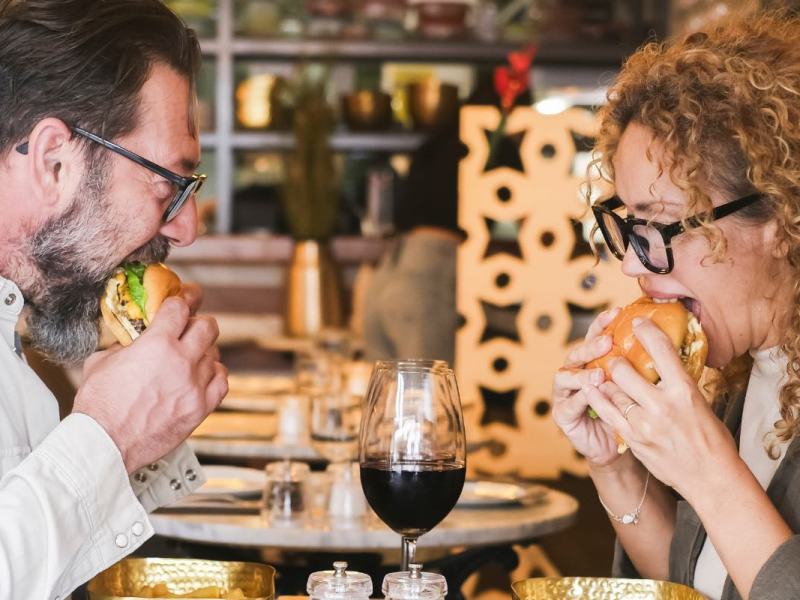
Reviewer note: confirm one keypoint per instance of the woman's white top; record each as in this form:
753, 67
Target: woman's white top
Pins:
761, 411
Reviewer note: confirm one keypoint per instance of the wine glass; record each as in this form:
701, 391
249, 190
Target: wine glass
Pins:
412, 448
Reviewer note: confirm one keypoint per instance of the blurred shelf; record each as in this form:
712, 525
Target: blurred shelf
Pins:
343, 141
414, 49
270, 249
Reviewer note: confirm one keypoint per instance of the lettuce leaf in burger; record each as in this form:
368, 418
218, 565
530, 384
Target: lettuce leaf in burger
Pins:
133, 295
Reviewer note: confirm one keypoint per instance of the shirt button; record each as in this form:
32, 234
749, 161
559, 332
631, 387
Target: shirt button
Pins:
191, 475
137, 529
175, 484
140, 477
121, 540
153, 467
10, 299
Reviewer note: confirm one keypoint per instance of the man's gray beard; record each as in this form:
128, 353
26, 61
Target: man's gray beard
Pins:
70, 254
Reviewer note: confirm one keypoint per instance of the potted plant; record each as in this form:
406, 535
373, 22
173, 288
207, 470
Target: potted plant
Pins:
311, 206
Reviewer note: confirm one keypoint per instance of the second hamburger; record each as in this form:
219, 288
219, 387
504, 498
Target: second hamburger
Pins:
681, 327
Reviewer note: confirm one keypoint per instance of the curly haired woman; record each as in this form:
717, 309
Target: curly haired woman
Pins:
703, 133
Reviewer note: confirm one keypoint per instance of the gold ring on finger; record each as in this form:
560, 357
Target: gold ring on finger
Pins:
628, 409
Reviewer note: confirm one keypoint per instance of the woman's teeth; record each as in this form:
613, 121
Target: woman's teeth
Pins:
689, 303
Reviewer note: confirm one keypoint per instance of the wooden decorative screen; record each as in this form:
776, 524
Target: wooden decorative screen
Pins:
524, 297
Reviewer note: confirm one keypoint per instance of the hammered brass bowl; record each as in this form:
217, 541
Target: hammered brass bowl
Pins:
128, 577
432, 104
600, 588
367, 110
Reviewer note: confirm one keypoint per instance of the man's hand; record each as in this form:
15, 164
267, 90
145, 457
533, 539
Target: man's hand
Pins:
151, 395
193, 294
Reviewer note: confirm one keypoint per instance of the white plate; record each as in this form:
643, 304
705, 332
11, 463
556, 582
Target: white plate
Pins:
232, 481
493, 493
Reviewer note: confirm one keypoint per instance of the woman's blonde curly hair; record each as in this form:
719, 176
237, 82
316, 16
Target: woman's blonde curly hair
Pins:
725, 105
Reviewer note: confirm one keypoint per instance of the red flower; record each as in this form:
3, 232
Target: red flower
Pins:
509, 83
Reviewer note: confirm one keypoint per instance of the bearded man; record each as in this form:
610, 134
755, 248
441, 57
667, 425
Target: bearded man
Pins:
99, 145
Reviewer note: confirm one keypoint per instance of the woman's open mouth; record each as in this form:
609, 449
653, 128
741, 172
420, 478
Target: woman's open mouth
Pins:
690, 304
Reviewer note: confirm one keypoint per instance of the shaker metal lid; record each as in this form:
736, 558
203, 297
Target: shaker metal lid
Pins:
414, 584
339, 583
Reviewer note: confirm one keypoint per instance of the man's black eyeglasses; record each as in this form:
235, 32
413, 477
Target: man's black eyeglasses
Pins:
652, 241
185, 187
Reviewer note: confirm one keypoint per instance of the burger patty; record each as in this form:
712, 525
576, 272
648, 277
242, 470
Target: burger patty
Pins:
138, 325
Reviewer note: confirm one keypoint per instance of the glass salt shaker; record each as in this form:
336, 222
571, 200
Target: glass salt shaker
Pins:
339, 584
414, 584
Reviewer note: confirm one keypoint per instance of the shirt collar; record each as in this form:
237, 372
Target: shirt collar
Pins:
11, 304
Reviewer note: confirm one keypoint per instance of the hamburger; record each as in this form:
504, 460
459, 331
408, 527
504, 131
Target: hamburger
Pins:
671, 316
133, 295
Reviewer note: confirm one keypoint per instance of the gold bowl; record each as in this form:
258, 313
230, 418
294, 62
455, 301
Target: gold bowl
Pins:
432, 104
367, 110
600, 588
128, 577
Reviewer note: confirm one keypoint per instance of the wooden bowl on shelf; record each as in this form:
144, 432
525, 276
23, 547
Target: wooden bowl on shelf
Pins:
432, 104
367, 110
442, 19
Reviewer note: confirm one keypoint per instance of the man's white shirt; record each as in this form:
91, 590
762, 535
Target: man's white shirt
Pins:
68, 508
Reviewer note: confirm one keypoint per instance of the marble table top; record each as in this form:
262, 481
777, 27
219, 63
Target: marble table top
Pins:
462, 527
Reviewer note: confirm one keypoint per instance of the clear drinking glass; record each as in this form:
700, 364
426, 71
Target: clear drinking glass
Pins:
412, 448
317, 373
334, 423
284, 501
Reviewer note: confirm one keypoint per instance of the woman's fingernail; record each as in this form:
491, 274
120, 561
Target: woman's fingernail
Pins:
597, 377
637, 321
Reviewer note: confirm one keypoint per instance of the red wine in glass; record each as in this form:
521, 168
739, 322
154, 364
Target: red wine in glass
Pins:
412, 498
412, 447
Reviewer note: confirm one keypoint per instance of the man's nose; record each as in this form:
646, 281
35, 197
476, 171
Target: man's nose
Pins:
182, 229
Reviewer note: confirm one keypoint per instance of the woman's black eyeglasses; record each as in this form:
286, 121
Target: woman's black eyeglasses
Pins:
652, 241
185, 187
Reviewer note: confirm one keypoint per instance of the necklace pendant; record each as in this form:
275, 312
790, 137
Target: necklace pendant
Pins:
628, 519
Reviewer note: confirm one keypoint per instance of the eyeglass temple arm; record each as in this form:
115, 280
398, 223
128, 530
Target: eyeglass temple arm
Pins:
158, 169
717, 213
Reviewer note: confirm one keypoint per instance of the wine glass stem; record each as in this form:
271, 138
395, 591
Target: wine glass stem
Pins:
409, 552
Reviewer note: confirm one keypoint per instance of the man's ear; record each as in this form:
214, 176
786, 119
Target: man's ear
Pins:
54, 160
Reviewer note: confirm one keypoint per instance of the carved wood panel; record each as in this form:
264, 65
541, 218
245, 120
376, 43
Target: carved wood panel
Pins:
520, 312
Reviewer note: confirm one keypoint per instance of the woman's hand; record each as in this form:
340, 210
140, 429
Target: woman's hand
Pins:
593, 438
669, 427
